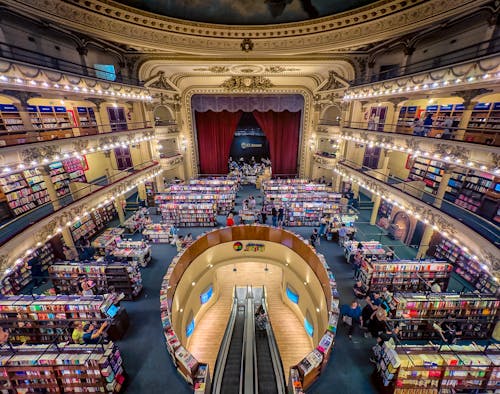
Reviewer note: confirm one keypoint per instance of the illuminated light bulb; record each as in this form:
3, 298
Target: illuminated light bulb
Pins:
416, 87
484, 168
425, 86
56, 85
458, 80
66, 87
45, 160
445, 83
470, 164
470, 79
3, 78
19, 80
6, 169
486, 76
21, 166
33, 83
435, 84
68, 223
76, 88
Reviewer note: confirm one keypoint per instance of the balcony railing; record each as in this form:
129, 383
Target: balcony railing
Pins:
476, 51
27, 136
480, 136
15, 226
13, 52
479, 224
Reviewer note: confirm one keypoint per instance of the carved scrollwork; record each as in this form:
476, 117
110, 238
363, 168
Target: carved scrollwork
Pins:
247, 83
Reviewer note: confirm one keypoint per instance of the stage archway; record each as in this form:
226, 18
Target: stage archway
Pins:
216, 118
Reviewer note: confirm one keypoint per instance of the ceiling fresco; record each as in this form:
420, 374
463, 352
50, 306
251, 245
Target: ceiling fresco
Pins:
246, 12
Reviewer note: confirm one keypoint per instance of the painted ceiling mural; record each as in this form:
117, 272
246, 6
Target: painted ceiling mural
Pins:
246, 12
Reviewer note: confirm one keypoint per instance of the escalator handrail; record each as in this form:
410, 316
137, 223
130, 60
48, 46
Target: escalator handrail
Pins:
248, 353
220, 363
275, 354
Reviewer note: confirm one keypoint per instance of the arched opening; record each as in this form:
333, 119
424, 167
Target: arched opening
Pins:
163, 116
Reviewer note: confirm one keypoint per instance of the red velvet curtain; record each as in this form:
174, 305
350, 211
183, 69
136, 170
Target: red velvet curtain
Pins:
282, 132
215, 134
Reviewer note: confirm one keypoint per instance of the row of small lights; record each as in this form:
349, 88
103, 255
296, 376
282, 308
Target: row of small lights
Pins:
76, 219
415, 88
415, 215
76, 154
74, 88
416, 153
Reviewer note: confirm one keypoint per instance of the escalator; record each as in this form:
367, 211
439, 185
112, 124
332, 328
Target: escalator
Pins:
232, 371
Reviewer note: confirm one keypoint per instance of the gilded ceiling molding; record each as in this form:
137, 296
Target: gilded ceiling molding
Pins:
247, 84
46, 227
113, 21
479, 246
190, 132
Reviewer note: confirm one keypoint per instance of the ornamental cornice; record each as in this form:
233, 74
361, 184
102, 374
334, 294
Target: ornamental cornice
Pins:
189, 130
467, 79
12, 156
479, 246
45, 228
19, 77
456, 153
113, 21
172, 162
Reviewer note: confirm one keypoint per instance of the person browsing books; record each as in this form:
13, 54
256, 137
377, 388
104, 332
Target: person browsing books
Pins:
93, 335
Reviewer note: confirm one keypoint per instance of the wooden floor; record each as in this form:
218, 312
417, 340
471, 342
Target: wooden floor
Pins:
293, 342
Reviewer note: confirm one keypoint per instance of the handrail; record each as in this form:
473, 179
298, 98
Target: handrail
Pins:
492, 236
468, 53
32, 136
273, 347
220, 363
493, 134
16, 53
248, 353
117, 177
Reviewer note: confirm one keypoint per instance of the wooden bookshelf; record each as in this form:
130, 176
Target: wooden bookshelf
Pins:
484, 124
124, 277
75, 169
465, 266
61, 369
10, 119
157, 233
18, 193
48, 319
474, 315
190, 215
138, 252
407, 117
440, 112
405, 275
431, 369
86, 120
429, 171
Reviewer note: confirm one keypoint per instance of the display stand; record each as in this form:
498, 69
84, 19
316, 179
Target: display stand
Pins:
62, 368
123, 277
404, 275
135, 251
372, 250
48, 319
473, 315
429, 171
190, 215
432, 369
136, 222
157, 233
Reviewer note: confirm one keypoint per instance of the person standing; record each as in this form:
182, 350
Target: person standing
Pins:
351, 316
230, 220
314, 238
418, 127
274, 214
35, 266
428, 124
281, 216
322, 225
342, 234
263, 214
447, 124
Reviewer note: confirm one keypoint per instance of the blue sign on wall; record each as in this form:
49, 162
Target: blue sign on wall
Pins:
205, 296
44, 108
8, 108
292, 296
60, 109
482, 106
459, 107
190, 328
431, 108
309, 327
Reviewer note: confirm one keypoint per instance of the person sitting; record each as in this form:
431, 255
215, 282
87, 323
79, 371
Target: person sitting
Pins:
374, 299
179, 243
359, 290
188, 240
77, 334
93, 335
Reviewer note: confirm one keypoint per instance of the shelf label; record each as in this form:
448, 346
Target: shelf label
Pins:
482, 106
403, 109
447, 107
459, 107
412, 108
44, 108
8, 108
31, 108
496, 106
81, 110
431, 108
60, 109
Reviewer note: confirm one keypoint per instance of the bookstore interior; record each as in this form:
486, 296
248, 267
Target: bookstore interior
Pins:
293, 197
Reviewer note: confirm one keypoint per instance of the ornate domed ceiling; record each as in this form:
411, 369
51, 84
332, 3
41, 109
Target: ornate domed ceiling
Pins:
246, 12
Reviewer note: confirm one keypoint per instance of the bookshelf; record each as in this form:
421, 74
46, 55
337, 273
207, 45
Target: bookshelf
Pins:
407, 117
372, 250
18, 193
429, 171
61, 368
84, 228
157, 233
10, 118
59, 178
86, 120
190, 215
466, 267
137, 221
48, 319
439, 112
404, 275
150, 193
75, 169
432, 369
485, 120
124, 277
138, 252
474, 315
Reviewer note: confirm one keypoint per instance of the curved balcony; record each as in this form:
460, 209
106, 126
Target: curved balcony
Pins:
20, 233
481, 236
459, 153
